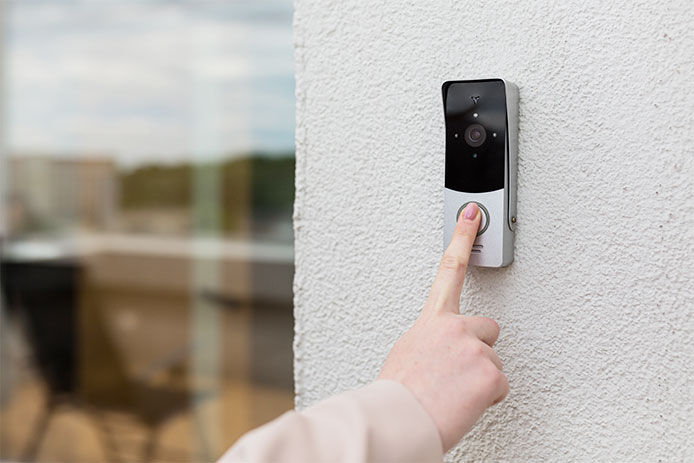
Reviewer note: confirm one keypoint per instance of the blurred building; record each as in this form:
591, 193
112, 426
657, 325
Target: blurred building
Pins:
47, 193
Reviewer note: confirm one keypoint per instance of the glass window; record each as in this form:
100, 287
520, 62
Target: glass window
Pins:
147, 245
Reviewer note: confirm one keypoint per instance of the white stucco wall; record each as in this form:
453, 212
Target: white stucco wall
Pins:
596, 311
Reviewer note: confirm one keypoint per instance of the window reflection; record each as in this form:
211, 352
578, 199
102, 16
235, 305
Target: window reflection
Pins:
147, 253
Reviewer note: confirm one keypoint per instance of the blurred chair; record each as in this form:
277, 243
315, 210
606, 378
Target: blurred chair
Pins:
47, 295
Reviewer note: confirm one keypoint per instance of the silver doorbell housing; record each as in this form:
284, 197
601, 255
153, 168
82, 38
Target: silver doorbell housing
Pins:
481, 160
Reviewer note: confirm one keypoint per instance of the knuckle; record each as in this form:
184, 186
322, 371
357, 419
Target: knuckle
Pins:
494, 326
491, 374
503, 387
453, 263
478, 350
459, 325
469, 343
500, 380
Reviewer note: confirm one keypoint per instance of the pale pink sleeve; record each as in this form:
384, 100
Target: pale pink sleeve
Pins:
382, 422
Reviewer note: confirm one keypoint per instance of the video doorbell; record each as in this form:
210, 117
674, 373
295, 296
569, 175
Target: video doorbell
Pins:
481, 159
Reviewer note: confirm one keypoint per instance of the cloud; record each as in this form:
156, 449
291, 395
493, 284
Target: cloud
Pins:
145, 81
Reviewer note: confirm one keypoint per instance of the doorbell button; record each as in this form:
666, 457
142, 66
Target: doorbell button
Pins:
484, 223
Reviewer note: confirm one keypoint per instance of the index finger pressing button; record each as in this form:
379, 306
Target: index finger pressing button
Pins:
484, 223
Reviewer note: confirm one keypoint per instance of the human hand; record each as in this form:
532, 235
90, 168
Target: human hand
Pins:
446, 359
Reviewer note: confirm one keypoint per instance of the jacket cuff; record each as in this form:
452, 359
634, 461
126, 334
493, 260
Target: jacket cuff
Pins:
400, 429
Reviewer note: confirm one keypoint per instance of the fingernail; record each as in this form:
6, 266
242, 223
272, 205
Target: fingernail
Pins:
471, 211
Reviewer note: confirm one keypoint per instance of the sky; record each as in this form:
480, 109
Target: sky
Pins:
151, 81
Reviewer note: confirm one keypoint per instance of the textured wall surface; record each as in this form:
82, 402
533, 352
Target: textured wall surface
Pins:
596, 311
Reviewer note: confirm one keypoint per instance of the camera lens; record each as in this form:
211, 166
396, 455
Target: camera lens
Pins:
475, 135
